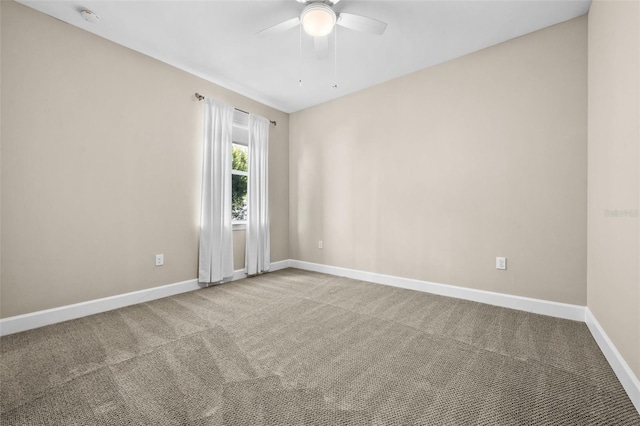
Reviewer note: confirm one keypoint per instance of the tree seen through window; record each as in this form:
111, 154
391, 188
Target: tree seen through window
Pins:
239, 176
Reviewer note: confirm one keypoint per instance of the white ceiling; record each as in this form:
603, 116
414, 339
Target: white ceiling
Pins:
216, 39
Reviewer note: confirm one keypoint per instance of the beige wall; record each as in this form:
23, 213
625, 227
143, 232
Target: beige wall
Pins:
101, 160
433, 175
614, 182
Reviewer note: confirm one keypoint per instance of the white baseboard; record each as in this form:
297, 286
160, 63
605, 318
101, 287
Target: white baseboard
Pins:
538, 306
274, 266
37, 319
629, 381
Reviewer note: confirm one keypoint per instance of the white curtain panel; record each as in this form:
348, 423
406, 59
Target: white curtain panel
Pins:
258, 247
216, 235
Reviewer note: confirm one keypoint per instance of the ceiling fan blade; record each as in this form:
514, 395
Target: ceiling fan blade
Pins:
321, 46
282, 26
361, 23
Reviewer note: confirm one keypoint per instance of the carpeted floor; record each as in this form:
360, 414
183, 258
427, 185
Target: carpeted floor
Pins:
296, 348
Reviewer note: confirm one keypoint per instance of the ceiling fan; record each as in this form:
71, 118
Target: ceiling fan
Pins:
318, 20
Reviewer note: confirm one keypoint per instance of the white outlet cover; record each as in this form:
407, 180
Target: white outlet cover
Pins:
501, 263
159, 259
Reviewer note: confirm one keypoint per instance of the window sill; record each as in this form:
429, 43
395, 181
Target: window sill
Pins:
239, 226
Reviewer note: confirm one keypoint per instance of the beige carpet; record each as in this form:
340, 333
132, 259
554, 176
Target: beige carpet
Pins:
297, 348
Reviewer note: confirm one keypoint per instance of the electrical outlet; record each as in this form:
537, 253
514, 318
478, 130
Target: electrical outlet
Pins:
501, 263
320, 244
159, 259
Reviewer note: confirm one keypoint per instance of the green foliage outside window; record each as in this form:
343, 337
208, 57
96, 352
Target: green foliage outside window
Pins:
239, 183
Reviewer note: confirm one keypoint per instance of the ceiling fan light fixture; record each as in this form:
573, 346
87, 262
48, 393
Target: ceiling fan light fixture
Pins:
318, 19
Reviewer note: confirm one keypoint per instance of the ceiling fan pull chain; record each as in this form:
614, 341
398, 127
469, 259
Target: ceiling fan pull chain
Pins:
300, 57
335, 57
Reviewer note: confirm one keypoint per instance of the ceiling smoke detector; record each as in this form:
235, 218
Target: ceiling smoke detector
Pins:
90, 16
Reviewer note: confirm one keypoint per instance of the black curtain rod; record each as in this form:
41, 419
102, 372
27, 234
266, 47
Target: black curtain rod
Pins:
200, 97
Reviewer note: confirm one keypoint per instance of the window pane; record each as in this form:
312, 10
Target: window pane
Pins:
238, 198
240, 155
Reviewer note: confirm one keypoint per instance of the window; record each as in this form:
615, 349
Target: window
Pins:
239, 174
239, 169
